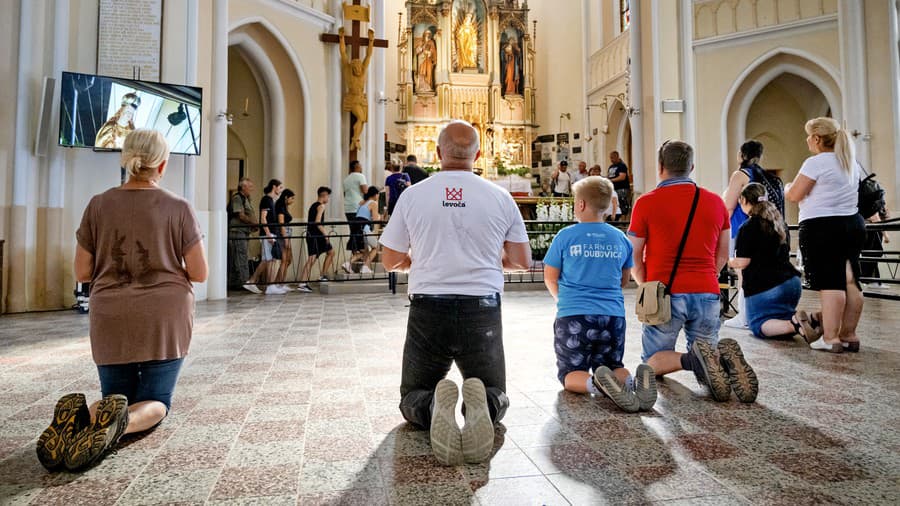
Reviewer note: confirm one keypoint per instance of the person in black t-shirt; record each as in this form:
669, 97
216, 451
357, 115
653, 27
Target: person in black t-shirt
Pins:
618, 174
771, 283
317, 241
283, 233
416, 173
267, 221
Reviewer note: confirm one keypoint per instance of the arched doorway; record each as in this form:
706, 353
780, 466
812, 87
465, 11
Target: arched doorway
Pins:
266, 98
618, 136
771, 101
776, 118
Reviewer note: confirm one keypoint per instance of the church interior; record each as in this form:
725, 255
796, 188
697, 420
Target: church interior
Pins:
292, 398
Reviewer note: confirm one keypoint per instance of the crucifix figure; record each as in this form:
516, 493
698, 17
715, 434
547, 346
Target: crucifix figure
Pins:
354, 69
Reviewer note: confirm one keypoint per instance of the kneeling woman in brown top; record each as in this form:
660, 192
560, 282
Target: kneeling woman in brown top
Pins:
140, 248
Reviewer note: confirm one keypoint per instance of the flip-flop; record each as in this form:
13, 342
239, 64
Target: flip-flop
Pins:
809, 333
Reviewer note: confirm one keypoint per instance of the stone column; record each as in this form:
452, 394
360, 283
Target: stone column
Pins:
378, 127
190, 77
336, 149
218, 220
688, 124
636, 100
851, 25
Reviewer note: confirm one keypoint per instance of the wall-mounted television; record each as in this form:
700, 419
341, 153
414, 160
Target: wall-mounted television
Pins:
98, 112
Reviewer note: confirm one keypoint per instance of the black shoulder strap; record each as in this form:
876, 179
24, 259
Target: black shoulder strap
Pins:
687, 229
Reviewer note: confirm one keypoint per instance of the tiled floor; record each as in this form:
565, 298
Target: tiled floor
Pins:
293, 399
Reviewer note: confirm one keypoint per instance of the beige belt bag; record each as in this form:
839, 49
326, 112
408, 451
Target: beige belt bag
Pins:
653, 303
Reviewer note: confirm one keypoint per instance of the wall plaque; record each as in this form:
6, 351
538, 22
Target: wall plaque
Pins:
129, 36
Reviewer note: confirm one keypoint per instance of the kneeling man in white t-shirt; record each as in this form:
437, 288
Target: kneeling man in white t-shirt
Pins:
455, 233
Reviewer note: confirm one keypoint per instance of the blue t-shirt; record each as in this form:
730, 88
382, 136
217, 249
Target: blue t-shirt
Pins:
738, 216
397, 182
590, 257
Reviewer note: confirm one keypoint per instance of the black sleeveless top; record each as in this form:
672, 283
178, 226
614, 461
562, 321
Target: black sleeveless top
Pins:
312, 229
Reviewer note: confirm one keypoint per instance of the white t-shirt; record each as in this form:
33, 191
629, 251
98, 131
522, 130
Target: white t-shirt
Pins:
563, 183
834, 194
454, 225
352, 194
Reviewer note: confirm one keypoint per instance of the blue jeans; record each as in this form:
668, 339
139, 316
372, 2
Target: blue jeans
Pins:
778, 303
141, 381
440, 331
696, 313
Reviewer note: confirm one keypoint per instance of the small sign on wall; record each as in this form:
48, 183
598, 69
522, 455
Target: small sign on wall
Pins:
129, 39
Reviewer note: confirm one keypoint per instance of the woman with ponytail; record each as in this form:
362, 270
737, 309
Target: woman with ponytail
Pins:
770, 282
832, 232
140, 247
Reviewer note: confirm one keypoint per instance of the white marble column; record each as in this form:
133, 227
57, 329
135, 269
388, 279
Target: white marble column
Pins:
218, 220
587, 153
190, 77
688, 124
335, 119
378, 126
638, 168
893, 12
854, 75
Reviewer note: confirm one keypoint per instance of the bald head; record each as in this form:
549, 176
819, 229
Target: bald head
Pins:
458, 146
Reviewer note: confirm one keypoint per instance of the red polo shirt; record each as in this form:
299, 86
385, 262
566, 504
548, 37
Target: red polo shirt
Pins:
659, 217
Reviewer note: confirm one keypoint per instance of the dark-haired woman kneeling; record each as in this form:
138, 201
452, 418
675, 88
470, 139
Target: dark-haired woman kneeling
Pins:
771, 283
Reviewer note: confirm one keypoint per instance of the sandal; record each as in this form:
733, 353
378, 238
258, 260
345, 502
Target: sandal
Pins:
851, 346
809, 334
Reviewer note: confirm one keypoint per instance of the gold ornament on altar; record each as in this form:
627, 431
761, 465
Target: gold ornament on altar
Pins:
354, 73
467, 39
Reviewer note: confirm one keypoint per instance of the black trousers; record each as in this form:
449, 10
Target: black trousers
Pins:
442, 330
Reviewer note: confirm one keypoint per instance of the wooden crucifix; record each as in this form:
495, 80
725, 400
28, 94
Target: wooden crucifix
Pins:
354, 70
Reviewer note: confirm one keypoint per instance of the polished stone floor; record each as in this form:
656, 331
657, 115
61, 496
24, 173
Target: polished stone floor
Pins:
293, 399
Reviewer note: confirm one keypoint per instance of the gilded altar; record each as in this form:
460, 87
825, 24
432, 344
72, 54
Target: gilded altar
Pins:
470, 60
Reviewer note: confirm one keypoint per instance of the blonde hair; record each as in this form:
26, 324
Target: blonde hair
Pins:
596, 191
836, 138
143, 152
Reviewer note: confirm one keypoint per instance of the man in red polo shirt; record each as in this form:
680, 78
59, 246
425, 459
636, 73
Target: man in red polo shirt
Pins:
657, 224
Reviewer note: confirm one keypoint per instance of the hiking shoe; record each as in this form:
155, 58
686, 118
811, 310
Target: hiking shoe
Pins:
645, 386
94, 441
70, 416
250, 287
709, 371
740, 374
606, 382
303, 287
446, 440
478, 433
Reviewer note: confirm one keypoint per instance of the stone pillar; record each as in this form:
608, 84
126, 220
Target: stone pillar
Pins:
893, 14
851, 25
217, 239
336, 149
190, 77
587, 152
638, 169
688, 124
378, 126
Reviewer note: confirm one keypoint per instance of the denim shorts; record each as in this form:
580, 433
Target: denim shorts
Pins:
586, 342
696, 313
778, 303
141, 381
266, 253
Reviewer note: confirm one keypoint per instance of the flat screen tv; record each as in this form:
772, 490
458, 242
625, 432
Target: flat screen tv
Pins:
98, 112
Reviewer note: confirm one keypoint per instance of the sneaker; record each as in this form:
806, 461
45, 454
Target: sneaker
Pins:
97, 439
738, 322
304, 288
446, 440
740, 374
708, 370
70, 416
275, 290
478, 433
347, 267
365, 270
606, 382
250, 287
645, 386
324, 279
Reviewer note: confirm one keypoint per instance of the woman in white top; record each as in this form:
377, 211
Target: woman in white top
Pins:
831, 231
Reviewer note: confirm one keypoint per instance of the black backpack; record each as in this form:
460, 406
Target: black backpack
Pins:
871, 196
774, 186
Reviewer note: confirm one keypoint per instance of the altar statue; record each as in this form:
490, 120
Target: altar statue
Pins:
467, 41
112, 134
426, 55
511, 70
354, 73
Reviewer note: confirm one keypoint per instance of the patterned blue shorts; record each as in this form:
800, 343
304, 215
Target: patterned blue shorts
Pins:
586, 342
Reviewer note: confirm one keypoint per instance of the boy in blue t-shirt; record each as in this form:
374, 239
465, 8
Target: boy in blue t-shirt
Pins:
585, 269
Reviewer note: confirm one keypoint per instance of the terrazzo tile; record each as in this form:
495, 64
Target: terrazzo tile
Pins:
169, 487
265, 454
263, 481
84, 491
455, 494
506, 463
369, 497
702, 447
548, 433
514, 491
565, 458
343, 475
418, 469
597, 487
188, 458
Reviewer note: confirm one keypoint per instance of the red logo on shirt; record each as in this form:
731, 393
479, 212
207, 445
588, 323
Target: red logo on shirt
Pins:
453, 193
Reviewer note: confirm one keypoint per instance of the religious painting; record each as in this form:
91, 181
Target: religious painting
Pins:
512, 78
468, 38
424, 58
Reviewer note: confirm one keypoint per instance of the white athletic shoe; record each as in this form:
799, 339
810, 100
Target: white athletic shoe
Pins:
738, 322
250, 287
478, 433
275, 290
365, 270
304, 288
347, 267
446, 442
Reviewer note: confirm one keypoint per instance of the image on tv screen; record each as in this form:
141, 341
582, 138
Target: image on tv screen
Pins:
98, 112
